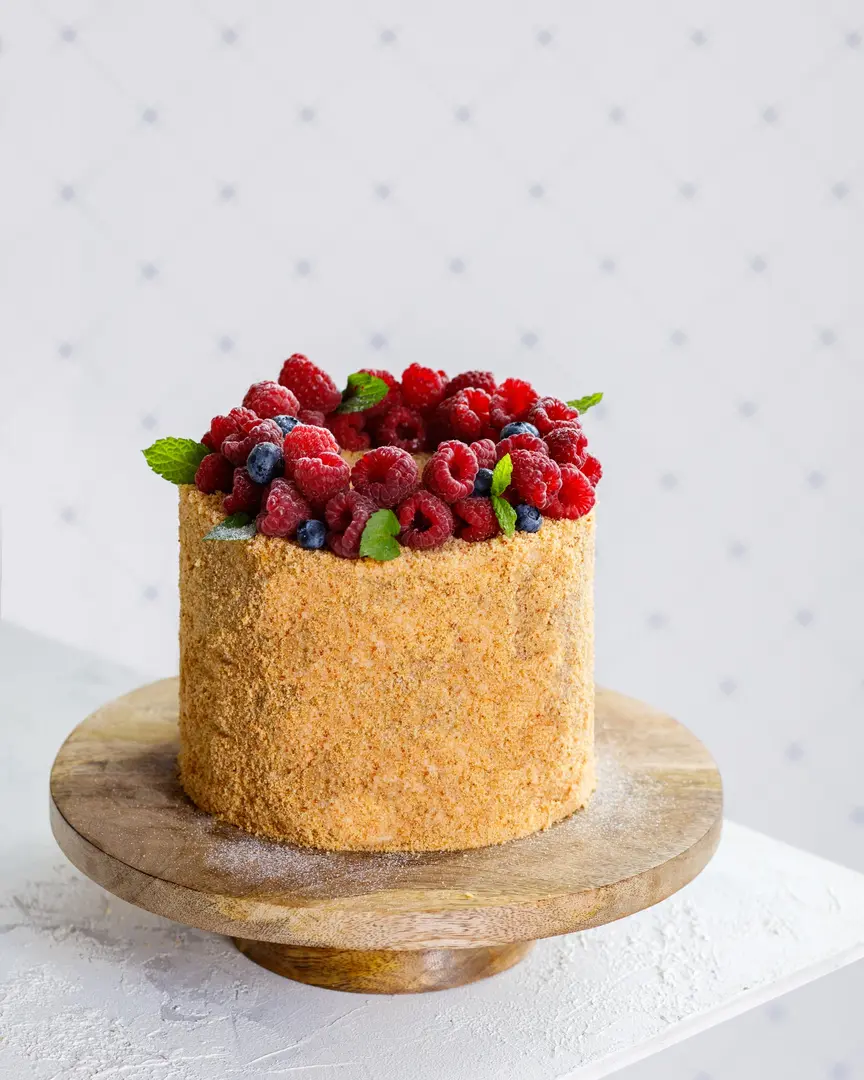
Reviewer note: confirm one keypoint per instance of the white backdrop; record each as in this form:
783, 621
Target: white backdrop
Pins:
664, 201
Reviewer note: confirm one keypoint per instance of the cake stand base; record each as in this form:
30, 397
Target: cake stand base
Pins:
378, 922
384, 971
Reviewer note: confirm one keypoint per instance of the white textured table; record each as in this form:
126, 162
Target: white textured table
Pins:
92, 988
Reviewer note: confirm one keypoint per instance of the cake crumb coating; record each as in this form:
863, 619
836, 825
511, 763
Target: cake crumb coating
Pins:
443, 700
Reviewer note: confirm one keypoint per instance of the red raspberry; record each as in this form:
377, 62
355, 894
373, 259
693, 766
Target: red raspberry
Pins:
237, 446
481, 380
269, 399
392, 398
402, 427
451, 471
547, 410
347, 514
283, 510
536, 477
484, 451
312, 387
426, 521
215, 473
223, 426
575, 498
423, 388
511, 401
320, 478
245, 494
303, 440
350, 430
468, 414
475, 519
525, 441
567, 444
311, 417
386, 475
592, 469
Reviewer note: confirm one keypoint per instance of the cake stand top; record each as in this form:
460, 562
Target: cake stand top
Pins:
119, 814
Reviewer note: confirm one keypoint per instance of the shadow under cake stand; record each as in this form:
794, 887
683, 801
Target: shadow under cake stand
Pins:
378, 922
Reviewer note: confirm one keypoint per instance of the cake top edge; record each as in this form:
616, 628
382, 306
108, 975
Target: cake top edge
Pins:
388, 464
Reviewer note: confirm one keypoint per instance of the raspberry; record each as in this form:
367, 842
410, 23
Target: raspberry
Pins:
215, 473
312, 417
547, 410
321, 477
347, 514
402, 427
350, 430
307, 441
385, 476
475, 520
592, 469
423, 388
223, 426
536, 477
283, 509
480, 380
426, 521
484, 451
237, 446
575, 498
392, 398
521, 442
269, 399
245, 494
511, 401
567, 444
451, 471
312, 387
468, 414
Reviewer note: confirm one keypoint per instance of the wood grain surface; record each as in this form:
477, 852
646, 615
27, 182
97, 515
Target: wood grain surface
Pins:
121, 817
381, 971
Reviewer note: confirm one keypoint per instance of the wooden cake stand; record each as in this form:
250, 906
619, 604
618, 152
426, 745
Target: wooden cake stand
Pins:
373, 922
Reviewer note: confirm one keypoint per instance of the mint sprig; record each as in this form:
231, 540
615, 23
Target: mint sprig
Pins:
235, 527
506, 515
176, 460
362, 392
501, 477
378, 540
583, 403
502, 474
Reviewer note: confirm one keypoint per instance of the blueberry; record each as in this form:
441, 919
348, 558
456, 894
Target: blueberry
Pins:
311, 534
286, 422
482, 482
528, 518
518, 427
264, 463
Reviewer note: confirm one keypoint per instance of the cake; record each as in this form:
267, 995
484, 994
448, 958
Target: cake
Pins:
386, 626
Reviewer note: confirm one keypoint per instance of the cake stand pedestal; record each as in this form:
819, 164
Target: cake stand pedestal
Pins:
384, 922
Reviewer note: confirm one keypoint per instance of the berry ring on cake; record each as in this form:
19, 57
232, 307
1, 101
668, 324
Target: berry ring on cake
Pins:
386, 609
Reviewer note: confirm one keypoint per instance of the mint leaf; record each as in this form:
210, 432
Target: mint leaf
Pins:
176, 460
501, 475
236, 527
506, 515
583, 403
362, 392
378, 539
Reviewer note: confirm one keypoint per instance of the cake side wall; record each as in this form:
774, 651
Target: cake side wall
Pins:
441, 700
